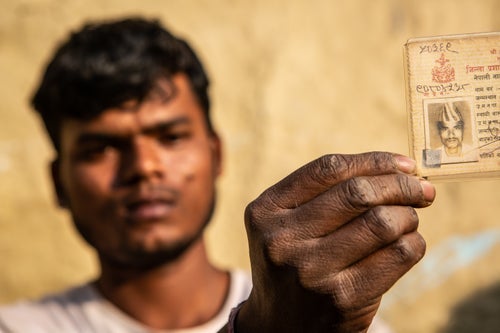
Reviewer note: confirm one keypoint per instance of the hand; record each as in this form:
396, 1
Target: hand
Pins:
329, 240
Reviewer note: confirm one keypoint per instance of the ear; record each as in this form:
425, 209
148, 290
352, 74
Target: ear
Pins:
216, 147
61, 197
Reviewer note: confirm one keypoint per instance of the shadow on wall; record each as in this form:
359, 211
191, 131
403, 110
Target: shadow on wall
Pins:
479, 313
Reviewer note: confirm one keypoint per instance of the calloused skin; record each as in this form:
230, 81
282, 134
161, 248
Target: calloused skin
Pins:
329, 240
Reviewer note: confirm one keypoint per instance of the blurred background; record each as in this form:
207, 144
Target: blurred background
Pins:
291, 80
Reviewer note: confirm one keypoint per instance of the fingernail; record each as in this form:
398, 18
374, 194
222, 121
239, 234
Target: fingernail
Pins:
428, 190
405, 164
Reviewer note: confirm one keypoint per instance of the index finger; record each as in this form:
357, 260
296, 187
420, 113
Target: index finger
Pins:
321, 174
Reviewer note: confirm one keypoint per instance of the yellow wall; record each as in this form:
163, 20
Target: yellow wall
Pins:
292, 80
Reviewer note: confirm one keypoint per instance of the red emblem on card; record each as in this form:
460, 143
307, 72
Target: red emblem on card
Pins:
443, 73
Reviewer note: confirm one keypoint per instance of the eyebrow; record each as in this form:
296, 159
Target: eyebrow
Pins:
159, 127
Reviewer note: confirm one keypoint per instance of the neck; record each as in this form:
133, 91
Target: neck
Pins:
184, 293
456, 151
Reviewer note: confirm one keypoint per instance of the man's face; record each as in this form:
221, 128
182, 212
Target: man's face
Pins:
451, 134
140, 182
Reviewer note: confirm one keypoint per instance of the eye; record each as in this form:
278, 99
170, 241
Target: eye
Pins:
173, 137
93, 152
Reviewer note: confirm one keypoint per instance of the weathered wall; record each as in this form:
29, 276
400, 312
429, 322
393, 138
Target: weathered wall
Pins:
292, 80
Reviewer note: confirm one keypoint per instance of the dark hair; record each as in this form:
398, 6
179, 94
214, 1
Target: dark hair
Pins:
106, 64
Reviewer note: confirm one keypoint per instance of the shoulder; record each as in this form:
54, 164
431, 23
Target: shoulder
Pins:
241, 281
379, 326
53, 313
239, 288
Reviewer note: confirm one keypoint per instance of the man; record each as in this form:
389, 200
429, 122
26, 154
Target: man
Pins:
451, 132
125, 104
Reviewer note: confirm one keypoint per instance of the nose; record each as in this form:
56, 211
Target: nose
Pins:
451, 133
142, 162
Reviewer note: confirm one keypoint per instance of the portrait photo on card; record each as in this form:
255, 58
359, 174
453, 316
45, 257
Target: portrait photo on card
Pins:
450, 131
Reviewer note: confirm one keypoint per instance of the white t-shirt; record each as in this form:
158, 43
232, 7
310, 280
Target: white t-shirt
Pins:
82, 309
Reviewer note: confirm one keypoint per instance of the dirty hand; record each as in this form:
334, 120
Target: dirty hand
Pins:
329, 240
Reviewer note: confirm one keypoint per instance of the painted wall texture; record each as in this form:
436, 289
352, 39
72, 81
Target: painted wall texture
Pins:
292, 80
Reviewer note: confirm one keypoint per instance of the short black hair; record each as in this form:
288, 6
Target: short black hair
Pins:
107, 63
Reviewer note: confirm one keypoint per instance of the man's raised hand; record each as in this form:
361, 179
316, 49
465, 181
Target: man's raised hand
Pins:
329, 240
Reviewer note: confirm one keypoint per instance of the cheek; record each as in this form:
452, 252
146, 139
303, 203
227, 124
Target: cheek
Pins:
195, 177
195, 166
87, 186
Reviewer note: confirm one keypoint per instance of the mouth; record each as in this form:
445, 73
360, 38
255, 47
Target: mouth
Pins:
148, 210
149, 205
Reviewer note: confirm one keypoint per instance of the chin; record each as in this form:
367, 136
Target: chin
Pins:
147, 255
155, 248
153, 243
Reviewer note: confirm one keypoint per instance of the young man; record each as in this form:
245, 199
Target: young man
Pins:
125, 104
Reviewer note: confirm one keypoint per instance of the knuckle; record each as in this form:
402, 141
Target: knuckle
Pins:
381, 224
278, 249
409, 250
275, 252
360, 192
257, 215
408, 187
306, 273
342, 294
374, 163
420, 246
341, 299
252, 213
331, 166
403, 251
381, 161
412, 217
313, 271
352, 292
264, 206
